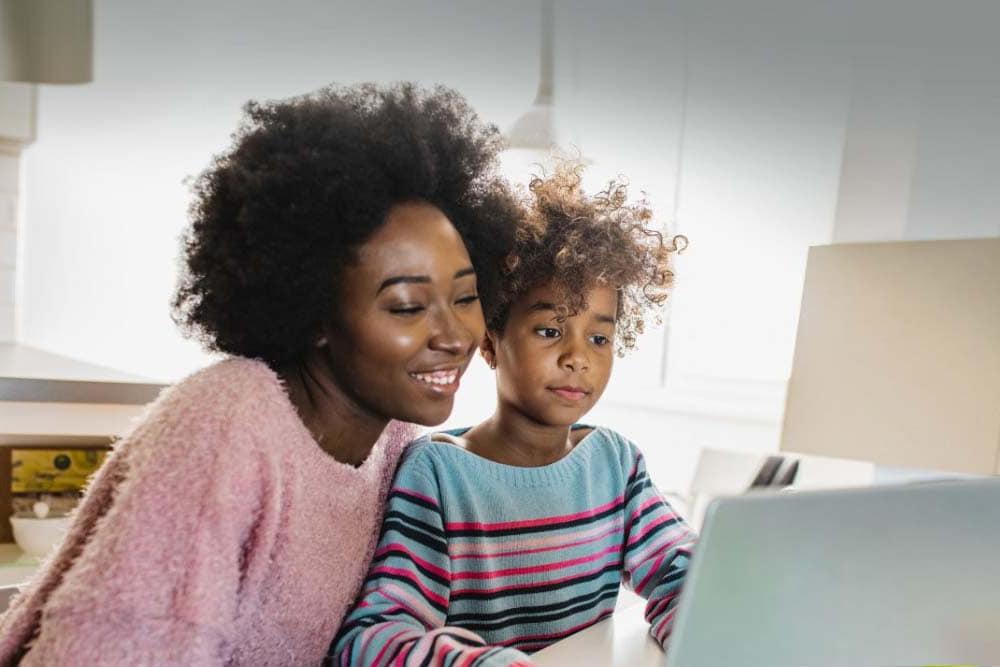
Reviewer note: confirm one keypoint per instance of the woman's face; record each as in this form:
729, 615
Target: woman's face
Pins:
409, 319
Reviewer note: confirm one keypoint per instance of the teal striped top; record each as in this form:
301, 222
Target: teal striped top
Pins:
481, 563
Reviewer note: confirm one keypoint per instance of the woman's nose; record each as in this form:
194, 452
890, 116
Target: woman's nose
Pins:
451, 335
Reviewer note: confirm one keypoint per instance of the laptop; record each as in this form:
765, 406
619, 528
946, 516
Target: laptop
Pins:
893, 575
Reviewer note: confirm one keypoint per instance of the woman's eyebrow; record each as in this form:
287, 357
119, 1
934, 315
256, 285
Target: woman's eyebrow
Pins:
396, 280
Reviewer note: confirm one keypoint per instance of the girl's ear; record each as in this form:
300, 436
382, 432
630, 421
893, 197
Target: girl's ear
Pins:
487, 348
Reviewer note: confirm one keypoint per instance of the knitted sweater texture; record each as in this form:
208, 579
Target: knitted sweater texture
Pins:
482, 563
217, 533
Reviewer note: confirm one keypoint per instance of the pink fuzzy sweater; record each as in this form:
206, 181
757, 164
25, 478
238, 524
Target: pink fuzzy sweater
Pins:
218, 532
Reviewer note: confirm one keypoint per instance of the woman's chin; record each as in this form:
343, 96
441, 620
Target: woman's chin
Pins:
433, 415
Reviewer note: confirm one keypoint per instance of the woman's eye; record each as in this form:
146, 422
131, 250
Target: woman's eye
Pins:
548, 332
406, 310
466, 300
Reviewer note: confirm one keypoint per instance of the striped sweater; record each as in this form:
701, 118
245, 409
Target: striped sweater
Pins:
480, 563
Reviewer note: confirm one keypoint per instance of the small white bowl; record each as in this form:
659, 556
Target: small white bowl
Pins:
37, 537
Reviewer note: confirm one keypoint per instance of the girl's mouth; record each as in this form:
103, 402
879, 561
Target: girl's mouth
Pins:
570, 393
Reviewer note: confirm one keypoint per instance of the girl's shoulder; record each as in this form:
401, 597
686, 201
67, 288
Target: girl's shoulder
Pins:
424, 452
611, 444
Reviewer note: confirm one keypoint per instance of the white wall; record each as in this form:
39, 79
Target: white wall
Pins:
758, 122
106, 199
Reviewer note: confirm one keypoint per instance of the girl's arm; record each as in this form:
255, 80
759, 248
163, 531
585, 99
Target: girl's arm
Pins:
401, 614
657, 552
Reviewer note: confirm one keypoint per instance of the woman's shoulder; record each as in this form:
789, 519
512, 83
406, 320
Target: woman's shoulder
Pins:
230, 398
231, 379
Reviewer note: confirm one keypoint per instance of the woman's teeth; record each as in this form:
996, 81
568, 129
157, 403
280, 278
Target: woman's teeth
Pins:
437, 377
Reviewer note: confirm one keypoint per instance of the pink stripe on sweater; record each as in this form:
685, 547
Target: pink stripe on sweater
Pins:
652, 572
531, 585
661, 543
414, 494
655, 609
652, 525
530, 523
661, 629
635, 513
390, 643
429, 617
461, 550
397, 548
546, 567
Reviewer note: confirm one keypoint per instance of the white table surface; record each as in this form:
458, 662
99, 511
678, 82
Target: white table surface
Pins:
620, 640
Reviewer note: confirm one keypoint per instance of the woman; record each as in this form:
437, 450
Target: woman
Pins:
235, 522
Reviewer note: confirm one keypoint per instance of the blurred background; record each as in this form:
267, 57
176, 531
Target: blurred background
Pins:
756, 128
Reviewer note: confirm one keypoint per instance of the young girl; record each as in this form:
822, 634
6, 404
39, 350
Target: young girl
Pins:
504, 538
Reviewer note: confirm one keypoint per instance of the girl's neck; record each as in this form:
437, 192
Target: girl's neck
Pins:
512, 438
340, 427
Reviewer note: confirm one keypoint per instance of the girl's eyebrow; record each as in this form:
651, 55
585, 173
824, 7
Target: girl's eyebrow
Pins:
541, 305
396, 280
545, 305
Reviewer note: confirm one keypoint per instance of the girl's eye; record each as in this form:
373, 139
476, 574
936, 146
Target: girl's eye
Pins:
548, 332
600, 340
466, 300
406, 310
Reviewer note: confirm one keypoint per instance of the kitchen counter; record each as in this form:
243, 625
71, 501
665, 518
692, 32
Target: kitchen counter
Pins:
15, 566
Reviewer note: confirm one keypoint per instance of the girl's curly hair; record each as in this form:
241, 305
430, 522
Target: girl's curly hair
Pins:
574, 242
278, 217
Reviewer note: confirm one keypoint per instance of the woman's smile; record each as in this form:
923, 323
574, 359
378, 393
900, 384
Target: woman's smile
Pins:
441, 381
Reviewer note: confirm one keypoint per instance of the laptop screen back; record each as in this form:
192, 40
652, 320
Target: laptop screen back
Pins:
899, 575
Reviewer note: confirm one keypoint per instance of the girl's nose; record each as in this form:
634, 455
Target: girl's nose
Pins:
574, 358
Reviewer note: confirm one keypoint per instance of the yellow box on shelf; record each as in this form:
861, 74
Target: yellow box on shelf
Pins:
53, 470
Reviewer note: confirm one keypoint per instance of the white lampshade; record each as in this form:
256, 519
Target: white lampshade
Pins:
897, 359
535, 128
46, 41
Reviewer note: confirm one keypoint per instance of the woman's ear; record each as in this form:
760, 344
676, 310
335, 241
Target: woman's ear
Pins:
487, 348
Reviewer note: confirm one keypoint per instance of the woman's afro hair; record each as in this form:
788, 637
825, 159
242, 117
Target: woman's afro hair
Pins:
278, 216
574, 242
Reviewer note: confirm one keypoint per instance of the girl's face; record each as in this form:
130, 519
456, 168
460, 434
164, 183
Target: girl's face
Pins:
553, 369
409, 319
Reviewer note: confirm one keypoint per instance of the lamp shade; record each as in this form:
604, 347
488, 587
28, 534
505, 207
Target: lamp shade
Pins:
897, 357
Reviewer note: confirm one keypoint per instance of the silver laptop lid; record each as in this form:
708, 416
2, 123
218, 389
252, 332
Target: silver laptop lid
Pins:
896, 575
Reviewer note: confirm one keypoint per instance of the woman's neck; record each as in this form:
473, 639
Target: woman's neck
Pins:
340, 427
513, 438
